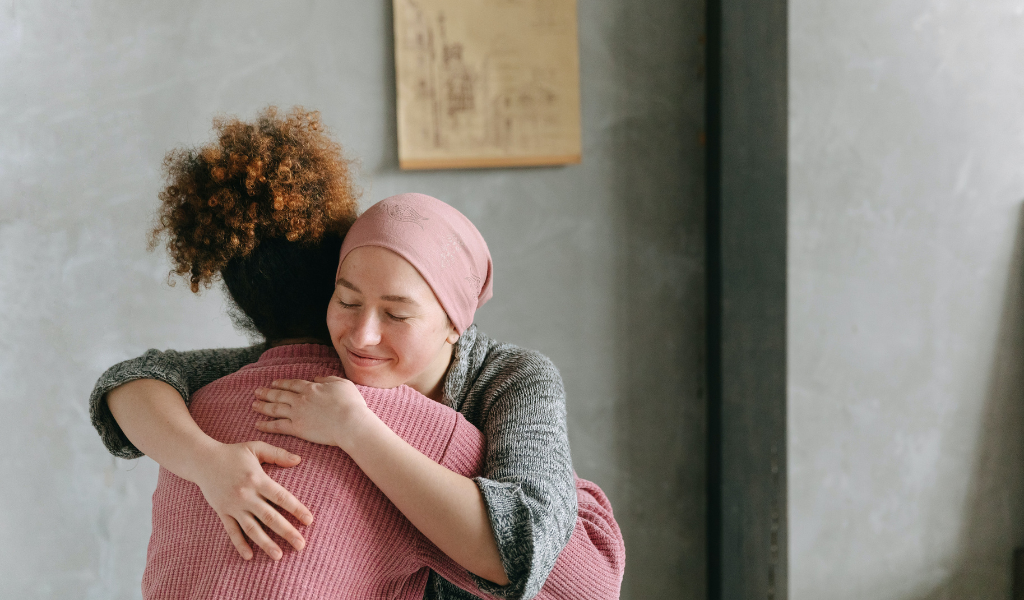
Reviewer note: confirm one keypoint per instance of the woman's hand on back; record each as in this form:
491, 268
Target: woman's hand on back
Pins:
327, 410
154, 417
235, 485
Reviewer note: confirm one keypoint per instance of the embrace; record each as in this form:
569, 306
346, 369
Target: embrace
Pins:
376, 444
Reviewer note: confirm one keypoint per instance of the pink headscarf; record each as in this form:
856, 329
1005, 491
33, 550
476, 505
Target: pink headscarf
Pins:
443, 245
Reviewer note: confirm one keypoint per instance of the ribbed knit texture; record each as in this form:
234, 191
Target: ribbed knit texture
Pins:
358, 546
592, 564
515, 396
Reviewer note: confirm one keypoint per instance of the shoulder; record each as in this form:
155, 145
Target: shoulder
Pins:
505, 362
516, 380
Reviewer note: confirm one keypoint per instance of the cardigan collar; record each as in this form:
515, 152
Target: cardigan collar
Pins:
467, 360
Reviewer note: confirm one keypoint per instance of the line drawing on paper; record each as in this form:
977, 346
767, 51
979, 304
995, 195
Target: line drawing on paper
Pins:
487, 81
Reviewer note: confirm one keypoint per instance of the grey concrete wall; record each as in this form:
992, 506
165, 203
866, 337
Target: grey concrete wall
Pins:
906, 329
597, 265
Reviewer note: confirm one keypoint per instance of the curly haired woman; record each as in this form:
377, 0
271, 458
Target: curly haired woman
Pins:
508, 526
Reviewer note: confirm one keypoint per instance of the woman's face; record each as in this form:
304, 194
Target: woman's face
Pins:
387, 325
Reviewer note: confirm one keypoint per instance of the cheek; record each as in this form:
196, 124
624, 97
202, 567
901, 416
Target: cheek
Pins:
336, 321
409, 344
430, 342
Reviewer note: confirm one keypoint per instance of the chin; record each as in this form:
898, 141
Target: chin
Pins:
375, 380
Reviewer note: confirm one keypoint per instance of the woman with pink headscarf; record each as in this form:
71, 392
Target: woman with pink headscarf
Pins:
412, 272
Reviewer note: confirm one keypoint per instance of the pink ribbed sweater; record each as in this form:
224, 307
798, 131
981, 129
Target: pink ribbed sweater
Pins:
359, 545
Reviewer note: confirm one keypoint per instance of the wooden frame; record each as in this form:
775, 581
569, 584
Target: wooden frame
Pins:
486, 84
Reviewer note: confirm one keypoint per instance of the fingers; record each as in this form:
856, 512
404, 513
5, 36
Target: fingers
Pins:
237, 539
291, 385
277, 410
281, 426
276, 395
255, 532
273, 455
275, 492
279, 525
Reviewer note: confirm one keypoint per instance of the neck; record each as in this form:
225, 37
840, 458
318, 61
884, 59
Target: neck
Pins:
430, 383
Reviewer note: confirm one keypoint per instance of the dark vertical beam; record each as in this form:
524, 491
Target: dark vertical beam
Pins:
1018, 574
747, 162
713, 253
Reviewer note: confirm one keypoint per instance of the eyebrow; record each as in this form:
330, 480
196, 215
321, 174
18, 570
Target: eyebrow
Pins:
346, 284
342, 282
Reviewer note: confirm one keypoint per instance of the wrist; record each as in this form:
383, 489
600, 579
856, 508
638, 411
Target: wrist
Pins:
196, 459
356, 428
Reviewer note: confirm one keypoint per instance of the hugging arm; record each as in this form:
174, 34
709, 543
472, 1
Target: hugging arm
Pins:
448, 452
528, 484
590, 565
140, 407
507, 527
186, 372
443, 504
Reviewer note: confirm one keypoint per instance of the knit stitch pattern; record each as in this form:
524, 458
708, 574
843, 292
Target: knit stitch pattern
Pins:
515, 396
592, 564
358, 546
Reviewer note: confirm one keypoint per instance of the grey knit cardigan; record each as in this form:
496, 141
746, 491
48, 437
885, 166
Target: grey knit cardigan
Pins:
514, 396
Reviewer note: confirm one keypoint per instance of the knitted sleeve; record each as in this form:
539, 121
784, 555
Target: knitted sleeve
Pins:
528, 485
184, 371
592, 563
590, 566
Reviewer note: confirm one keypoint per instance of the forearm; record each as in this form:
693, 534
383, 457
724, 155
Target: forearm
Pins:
444, 506
155, 419
186, 372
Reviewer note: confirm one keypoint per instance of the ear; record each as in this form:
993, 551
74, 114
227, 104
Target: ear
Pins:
453, 334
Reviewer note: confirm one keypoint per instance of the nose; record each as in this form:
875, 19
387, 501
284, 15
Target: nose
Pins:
367, 330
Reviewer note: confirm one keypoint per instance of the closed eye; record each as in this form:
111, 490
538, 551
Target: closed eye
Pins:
396, 317
346, 305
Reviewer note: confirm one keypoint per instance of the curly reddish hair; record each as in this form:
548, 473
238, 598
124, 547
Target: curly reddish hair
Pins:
280, 176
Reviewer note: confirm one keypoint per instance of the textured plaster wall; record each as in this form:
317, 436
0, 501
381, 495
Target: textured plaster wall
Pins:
906, 322
597, 265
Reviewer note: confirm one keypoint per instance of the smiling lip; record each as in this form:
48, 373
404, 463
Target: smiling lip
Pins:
364, 361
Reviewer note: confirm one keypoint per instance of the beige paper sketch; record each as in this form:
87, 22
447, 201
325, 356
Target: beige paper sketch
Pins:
486, 83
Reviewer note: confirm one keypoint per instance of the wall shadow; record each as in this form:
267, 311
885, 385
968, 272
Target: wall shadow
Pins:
388, 162
994, 522
658, 175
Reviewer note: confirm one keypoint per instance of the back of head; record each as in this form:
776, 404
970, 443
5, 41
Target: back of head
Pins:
265, 206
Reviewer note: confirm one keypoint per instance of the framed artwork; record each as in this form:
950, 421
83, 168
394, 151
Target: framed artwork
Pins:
486, 83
